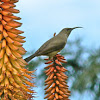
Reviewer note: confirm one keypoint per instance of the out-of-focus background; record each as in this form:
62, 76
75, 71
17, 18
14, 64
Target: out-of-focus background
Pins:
42, 18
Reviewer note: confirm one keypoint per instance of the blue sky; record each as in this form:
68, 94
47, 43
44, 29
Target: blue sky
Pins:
42, 18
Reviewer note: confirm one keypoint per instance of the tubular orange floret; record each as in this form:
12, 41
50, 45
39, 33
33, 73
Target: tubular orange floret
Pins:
14, 78
56, 85
3, 22
1, 28
0, 17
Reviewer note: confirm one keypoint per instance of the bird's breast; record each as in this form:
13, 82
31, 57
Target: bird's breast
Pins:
53, 53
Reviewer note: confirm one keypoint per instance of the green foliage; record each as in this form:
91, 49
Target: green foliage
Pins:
83, 66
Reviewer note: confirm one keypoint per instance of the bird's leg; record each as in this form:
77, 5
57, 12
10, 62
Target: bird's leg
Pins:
54, 58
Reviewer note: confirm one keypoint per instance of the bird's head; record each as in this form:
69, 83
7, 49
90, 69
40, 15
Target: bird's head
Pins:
67, 31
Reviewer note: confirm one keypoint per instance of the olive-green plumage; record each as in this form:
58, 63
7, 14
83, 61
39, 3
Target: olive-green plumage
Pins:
54, 45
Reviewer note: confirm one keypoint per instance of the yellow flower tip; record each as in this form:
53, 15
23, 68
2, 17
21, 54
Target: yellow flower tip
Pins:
28, 76
28, 90
29, 83
22, 94
23, 85
30, 72
23, 69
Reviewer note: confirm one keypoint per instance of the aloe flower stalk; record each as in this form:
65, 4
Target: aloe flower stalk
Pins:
56, 85
14, 78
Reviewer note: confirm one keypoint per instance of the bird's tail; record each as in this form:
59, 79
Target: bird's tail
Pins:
30, 58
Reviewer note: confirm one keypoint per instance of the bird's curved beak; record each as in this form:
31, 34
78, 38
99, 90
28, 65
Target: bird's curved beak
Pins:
76, 27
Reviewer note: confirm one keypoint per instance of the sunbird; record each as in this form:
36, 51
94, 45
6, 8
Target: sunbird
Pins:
54, 45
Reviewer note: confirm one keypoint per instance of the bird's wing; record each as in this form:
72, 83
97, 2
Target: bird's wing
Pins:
51, 46
38, 52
